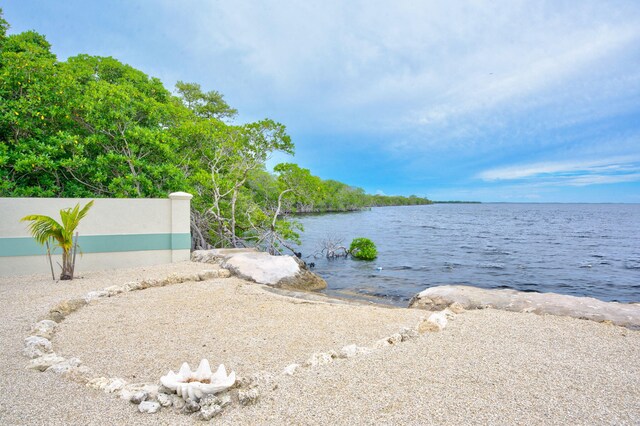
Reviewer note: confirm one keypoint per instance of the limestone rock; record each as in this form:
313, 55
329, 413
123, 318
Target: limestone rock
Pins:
135, 285
303, 280
164, 389
320, 358
177, 402
408, 334
45, 361
151, 282
439, 319
35, 346
456, 308
262, 268
149, 407
191, 278
249, 397
139, 396
98, 383
109, 385
190, 406
65, 366
291, 369
209, 412
127, 394
64, 308
130, 286
210, 274
151, 390
79, 374
204, 256
114, 385
395, 338
224, 399
173, 279
441, 297
427, 327
351, 351
209, 400
164, 399
94, 295
130, 389
114, 290
44, 328
217, 255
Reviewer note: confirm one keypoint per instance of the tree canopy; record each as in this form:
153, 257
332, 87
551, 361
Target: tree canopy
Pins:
92, 126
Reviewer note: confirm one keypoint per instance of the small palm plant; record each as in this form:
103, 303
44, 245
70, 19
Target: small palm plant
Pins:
45, 229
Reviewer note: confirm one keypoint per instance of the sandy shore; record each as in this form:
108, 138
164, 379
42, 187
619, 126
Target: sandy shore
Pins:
487, 366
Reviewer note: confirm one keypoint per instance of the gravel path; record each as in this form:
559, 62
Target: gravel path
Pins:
486, 367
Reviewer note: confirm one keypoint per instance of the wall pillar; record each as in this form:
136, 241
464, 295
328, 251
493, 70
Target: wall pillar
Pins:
180, 226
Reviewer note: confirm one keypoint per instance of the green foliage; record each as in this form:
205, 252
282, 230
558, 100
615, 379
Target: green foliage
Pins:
92, 126
363, 249
205, 105
44, 229
4, 26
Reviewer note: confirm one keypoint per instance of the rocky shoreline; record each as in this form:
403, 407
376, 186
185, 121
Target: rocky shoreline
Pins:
588, 308
278, 344
289, 273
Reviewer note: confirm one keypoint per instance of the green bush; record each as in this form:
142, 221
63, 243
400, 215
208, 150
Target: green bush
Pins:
363, 249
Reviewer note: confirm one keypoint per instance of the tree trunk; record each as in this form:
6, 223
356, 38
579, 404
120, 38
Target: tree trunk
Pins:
67, 269
233, 218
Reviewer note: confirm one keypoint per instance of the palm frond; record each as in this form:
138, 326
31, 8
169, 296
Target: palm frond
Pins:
71, 218
44, 228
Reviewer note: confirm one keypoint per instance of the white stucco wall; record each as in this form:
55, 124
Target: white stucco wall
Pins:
156, 229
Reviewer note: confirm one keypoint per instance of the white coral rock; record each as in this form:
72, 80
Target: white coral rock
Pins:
351, 351
195, 384
44, 328
440, 319
36, 346
290, 370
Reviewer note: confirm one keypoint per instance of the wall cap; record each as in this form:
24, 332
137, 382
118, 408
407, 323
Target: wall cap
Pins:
180, 196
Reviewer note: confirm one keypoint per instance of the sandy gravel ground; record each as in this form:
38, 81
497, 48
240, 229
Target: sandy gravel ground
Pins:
486, 367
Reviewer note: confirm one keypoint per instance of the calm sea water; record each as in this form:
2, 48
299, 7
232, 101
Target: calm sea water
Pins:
577, 249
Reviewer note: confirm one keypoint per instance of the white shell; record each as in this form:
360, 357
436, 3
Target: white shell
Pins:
196, 389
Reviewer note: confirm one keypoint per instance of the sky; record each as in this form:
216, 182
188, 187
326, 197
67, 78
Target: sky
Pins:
493, 101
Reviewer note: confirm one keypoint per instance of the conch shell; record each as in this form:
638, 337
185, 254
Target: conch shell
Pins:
195, 384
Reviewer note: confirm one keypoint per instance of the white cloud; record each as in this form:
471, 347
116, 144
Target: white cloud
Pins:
409, 64
571, 173
603, 179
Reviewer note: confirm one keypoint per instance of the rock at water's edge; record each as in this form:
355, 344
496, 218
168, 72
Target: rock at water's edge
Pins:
303, 280
263, 268
441, 297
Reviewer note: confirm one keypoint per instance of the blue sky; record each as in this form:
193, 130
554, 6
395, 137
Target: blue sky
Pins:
480, 100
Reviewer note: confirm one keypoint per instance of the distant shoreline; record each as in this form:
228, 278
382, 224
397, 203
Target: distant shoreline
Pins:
457, 202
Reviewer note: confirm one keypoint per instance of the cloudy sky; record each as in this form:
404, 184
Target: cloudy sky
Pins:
467, 100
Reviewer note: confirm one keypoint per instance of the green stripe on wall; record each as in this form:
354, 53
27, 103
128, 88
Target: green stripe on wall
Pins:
26, 246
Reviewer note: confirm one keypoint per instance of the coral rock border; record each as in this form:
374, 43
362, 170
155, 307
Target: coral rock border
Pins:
148, 397
151, 398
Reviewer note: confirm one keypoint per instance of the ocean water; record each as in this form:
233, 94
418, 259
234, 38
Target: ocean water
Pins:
576, 249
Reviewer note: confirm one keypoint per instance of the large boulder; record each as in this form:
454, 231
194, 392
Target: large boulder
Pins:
441, 297
277, 271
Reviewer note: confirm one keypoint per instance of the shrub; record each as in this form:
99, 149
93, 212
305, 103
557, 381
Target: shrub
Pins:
363, 249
